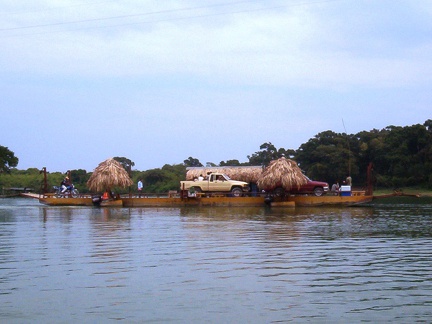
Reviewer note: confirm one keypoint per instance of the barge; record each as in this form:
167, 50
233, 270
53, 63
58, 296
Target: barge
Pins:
214, 200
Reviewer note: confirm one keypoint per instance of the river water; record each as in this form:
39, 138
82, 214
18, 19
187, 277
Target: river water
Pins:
215, 265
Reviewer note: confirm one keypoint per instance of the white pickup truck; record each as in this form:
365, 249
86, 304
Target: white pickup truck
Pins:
216, 182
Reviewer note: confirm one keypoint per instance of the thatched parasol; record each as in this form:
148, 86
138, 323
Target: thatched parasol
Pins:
107, 175
283, 173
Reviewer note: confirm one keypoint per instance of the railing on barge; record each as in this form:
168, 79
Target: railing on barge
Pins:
186, 194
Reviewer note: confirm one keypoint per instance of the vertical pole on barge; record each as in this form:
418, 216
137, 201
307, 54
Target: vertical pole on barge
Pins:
45, 182
369, 189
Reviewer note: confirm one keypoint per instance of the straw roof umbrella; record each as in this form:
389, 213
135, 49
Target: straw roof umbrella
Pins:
108, 174
283, 173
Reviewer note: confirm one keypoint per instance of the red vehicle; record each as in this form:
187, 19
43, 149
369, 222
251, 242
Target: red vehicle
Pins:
318, 188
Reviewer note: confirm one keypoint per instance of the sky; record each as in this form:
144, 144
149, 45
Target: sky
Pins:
158, 82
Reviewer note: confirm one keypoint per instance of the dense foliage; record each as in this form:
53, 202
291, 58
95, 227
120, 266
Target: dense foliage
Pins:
8, 159
401, 156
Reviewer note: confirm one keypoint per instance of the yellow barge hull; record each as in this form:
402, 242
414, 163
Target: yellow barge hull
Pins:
194, 201
53, 201
292, 201
328, 200
157, 201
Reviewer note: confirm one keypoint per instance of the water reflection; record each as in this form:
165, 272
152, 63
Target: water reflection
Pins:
109, 231
258, 265
288, 213
282, 223
110, 214
61, 214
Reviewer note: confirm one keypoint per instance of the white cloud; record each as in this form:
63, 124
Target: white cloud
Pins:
296, 45
158, 79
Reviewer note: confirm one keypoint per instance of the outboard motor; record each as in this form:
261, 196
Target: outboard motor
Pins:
96, 200
268, 199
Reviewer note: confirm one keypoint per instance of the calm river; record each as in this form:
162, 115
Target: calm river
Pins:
215, 265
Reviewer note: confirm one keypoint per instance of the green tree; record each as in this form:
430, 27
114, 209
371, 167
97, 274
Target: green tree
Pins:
79, 178
428, 153
155, 180
230, 163
407, 155
192, 162
267, 153
126, 163
162, 180
8, 159
402, 156
328, 156
428, 125
173, 175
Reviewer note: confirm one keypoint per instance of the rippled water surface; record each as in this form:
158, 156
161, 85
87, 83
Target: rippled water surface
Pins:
215, 265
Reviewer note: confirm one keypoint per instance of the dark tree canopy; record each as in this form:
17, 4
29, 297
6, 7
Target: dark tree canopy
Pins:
125, 162
401, 157
192, 162
230, 163
8, 159
267, 153
327, 156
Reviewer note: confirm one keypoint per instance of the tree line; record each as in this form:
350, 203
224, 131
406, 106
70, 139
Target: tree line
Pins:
401, 157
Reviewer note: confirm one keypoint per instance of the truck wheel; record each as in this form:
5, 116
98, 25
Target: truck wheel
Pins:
279, 192
318, 191
198, 189
236, 192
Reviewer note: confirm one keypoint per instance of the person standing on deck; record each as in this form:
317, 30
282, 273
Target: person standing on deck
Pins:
140, 187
